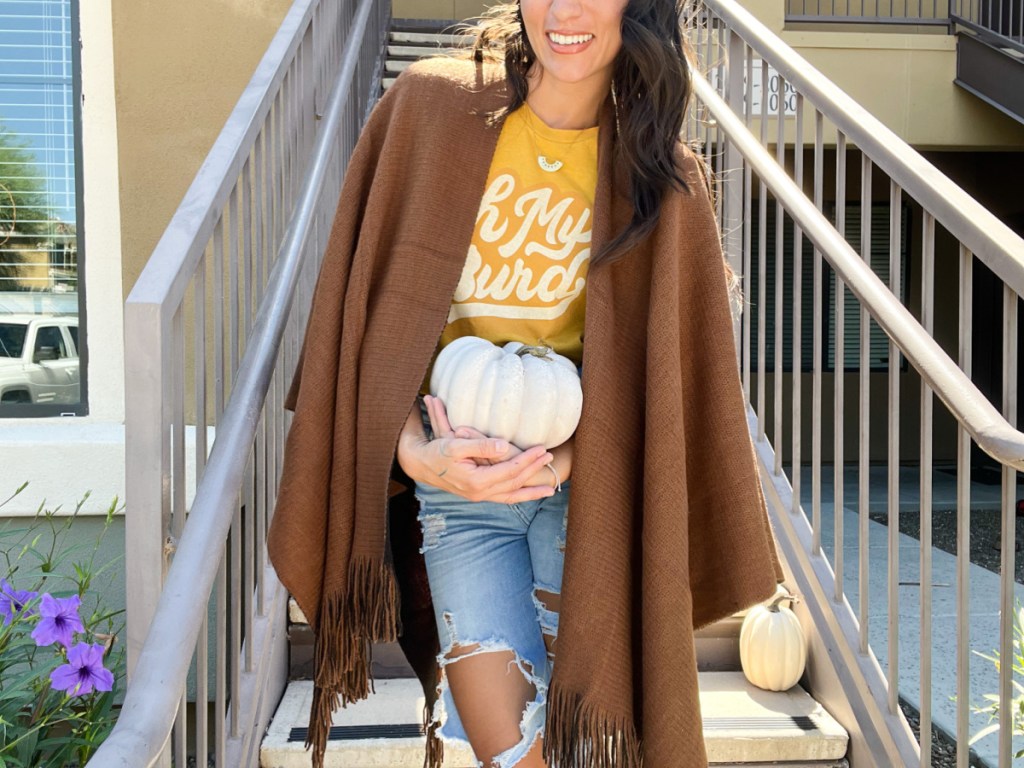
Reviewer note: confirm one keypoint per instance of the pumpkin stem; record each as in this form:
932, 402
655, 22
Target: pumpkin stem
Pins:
773, 605
542, 351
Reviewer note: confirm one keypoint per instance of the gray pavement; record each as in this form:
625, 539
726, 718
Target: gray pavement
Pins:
983, 608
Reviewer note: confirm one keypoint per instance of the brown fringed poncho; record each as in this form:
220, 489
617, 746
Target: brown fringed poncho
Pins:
668, 529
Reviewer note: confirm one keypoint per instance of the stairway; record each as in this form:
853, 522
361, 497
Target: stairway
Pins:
412, 39
743, 724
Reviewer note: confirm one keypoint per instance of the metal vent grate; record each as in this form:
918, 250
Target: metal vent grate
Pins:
353, 732
803, 722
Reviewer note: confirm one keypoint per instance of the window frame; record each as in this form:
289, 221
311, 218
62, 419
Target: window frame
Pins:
81, 408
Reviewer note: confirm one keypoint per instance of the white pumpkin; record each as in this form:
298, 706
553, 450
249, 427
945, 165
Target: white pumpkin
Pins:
526, 395
773, 649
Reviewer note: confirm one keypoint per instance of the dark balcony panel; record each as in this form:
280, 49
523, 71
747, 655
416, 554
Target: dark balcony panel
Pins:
914, 12
991, 73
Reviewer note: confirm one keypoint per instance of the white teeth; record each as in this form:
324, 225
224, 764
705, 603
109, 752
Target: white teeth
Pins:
568, 39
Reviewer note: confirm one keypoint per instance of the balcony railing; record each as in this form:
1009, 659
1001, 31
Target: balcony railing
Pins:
916, 12
997, 22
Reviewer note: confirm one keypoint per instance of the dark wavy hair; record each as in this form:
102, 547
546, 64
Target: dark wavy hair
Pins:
651, 86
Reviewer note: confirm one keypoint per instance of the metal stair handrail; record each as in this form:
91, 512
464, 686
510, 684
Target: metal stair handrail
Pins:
993, 433
847, 672
975, 226
149, 708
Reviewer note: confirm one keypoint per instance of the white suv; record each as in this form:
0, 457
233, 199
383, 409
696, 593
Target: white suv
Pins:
39, 359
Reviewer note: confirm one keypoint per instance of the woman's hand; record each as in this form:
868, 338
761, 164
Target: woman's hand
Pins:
454, 463
562, 454
562, 461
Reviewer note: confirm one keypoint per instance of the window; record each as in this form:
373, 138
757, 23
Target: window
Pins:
40, 191
879, 352
50, 344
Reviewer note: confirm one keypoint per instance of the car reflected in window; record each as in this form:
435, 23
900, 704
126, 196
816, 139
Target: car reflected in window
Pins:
39, 359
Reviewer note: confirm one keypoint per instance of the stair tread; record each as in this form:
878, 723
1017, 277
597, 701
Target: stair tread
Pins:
427, 38
417, 51
742, 723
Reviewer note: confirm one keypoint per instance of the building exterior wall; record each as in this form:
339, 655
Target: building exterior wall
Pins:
158, 81
179, 67
906, 81
438, 9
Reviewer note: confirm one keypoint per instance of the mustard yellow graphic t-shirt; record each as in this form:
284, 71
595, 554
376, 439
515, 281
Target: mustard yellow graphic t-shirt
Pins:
525, 275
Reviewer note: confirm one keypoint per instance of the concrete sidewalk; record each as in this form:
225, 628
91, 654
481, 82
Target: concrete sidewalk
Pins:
983, 585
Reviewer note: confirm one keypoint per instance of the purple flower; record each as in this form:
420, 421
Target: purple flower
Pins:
84, 671
59, 619
14, 600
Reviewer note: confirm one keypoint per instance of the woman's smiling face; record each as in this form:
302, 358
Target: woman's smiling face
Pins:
575, 41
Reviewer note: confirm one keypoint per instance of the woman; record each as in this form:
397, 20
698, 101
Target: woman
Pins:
565, 615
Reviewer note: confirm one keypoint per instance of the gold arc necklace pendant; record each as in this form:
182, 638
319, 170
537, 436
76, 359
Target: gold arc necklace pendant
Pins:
548, 165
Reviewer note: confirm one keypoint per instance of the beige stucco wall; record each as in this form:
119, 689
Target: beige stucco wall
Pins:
902, 77
179, 69
906, 81
437, 9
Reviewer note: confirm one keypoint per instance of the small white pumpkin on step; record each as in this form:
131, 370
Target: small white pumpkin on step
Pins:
528, 395
773, 648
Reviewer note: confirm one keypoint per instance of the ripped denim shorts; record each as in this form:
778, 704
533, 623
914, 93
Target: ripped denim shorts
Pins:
485, 562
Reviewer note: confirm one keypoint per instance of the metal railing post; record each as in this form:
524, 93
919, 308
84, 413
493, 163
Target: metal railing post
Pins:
147, 492
147, 517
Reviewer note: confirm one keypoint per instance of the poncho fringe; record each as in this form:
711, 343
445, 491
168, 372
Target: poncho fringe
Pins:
435, 747
365, 612
581, 735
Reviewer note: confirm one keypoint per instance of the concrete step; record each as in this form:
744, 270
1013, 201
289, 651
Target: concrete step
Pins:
394, 66
743, 725
426, 39
416, 51
410, 40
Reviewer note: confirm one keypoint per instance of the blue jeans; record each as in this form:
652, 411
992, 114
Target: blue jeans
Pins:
485, 562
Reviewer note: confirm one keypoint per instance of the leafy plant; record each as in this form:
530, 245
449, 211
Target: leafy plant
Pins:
60, 664
1017, 700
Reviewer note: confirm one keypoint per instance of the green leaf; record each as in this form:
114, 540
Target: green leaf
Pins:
983, 733
19, 686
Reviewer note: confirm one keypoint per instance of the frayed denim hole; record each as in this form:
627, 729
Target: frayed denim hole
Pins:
548, 618
434, 527
501, 760
560, 539
439, 714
